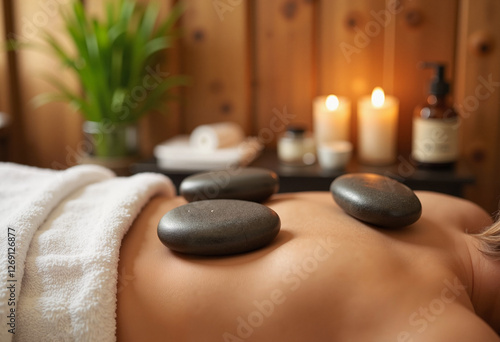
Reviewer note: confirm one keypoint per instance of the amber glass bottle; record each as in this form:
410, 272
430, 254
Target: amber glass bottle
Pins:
435, 126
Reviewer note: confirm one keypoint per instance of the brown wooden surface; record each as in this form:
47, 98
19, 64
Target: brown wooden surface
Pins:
51, 132
478, 61
284, 65
4, 93
158, 127
4, 69
425, 31
350, 51
215, 55
248, 60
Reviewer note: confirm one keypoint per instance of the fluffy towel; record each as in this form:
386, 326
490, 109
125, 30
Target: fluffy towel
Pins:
66, 228
177, 154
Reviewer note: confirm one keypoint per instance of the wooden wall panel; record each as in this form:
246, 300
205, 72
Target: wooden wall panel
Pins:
478, 96
5, 108
284, 64
250, 59
351, 50
50, 131
4, 67
157, 127
425, 30
215, 54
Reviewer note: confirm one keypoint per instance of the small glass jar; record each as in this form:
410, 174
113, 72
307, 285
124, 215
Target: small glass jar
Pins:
296, 147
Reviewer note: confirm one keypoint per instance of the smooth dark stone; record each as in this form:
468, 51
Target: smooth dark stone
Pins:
249, 184
375, 199
218, 227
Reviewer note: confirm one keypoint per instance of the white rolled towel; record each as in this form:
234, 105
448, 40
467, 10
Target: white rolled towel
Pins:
218, 135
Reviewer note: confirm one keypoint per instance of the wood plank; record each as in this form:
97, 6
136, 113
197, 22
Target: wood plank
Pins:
215, 54
50, 139
425, 30
477, 95
351, 51
158, 127
6, 121
284, 65
4, 66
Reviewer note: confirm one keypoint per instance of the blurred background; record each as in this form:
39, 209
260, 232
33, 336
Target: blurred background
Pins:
249, 59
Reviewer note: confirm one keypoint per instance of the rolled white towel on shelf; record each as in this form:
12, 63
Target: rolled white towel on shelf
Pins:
215, 136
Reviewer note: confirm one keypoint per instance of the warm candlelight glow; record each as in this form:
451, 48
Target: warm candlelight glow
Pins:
377, 128
378, 97
332, 102
331, 118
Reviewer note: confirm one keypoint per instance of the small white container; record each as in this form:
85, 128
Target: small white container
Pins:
296, 147
334, 155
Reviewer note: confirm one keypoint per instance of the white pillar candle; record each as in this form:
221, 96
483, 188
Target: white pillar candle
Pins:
332, 116
377, 127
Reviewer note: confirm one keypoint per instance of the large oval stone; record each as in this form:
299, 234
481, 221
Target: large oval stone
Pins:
218, 227
376, 199
249, 184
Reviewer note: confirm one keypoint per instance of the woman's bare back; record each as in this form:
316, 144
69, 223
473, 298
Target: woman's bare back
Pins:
326, 277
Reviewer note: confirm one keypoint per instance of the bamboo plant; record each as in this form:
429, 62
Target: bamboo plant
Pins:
112, 58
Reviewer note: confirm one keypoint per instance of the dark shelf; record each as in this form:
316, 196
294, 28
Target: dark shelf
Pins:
313, 178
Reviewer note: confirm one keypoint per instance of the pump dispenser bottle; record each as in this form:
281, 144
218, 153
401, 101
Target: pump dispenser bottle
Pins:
435, 125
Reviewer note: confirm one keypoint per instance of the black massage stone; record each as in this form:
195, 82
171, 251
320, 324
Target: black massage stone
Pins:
249, 184
377, 200
218, 227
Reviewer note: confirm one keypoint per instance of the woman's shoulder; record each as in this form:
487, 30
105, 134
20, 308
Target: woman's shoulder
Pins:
458, 212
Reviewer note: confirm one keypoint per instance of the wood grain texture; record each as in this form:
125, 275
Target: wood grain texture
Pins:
425, 30
215, 55
284, 65
50, 132
4, 66
249, 59
5, 90
351, 50
477, 96
157, 127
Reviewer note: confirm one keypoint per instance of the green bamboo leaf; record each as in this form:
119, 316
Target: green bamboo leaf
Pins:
156, 45
174, 15
109, 58
127, 10
148, 20
59, 51
155, 97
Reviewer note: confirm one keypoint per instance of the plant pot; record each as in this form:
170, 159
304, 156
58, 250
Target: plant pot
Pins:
111, 140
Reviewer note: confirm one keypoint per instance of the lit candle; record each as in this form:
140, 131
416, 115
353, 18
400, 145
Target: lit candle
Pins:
332, 115
377, 123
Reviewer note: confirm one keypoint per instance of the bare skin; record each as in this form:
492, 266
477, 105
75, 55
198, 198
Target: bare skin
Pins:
326, 277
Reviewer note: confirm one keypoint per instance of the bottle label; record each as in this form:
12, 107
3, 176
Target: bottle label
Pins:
435, 141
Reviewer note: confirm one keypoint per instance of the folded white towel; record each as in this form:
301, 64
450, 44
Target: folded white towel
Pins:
67, 228
217, 135
178, 154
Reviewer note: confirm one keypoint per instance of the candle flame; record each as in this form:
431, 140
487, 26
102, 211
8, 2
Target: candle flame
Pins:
378, 97
332, 102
